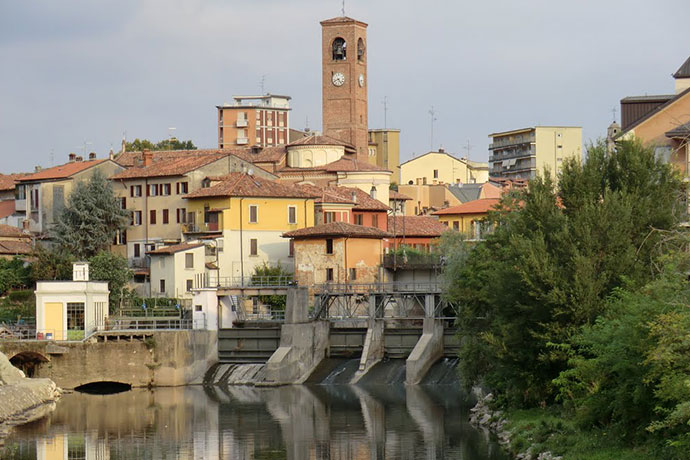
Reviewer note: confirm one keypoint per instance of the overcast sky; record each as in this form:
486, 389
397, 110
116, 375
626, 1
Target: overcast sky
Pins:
78, 71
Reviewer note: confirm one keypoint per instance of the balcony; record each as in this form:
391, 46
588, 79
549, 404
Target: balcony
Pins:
412, 260
242, 141
211, 227
241, 123
511, 142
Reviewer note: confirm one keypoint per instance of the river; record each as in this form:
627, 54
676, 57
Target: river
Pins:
334, 422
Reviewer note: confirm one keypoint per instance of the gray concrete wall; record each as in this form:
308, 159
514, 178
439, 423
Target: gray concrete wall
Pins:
428, 350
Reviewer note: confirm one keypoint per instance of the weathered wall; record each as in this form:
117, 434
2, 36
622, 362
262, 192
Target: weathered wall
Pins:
157, 359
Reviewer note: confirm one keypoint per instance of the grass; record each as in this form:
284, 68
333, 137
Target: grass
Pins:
551, 430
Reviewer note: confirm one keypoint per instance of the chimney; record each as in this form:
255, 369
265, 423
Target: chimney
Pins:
92, 156
148, 157
79, 158
72, 157
26, 225
37, 169
441, 150
354, 197
111, 154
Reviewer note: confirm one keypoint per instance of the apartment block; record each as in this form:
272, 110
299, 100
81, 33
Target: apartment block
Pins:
254, 120
524, 153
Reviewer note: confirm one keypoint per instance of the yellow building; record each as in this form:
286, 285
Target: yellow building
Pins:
524, 153
467, 217
384, 150
428, 198
247, 216
177, 269
442, 168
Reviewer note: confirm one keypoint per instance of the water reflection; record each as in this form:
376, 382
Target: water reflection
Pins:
338, 422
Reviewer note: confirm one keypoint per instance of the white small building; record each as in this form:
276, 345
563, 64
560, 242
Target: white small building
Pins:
177, 269
71, 310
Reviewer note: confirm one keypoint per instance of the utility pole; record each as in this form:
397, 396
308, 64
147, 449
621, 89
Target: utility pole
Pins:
613, 111
432, 112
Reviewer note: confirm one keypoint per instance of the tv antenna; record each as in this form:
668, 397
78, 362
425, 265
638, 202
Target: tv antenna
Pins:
385, 112
262, 84
467, 147
343, 9
432, 113
613, 111
52, 157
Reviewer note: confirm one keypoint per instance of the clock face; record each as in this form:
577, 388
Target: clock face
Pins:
361, 79
338, 79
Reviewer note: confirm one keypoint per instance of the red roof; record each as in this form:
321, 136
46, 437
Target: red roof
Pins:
319, 140
172, 166
471, 207
395, 195
344, 164
12, 232
241, 184
360, 199
341, 229
8, 181
6, 208
421, 226
172, 249
15, 248
62, 171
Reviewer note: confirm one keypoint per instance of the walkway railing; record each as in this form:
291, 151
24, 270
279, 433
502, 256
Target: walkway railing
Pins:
267, 282
138, 324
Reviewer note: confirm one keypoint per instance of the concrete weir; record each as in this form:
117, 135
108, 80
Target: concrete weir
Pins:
305, 343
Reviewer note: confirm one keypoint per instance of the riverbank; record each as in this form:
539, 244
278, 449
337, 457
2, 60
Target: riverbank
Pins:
23, 400
549, 434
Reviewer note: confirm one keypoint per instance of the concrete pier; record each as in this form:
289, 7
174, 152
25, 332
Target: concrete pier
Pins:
428, 350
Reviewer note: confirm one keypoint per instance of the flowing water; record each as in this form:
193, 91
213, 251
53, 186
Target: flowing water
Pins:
301, 422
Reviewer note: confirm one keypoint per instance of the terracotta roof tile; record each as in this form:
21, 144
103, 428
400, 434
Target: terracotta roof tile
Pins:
346, 164
165, 167
8, 181
395, 195
9, 231
172, 249
62, 171
415, 226
319, 140
340, 19
241, 184
360, 199
129, 159
273, 154
6, 208
15, 247
337, 229
471, 207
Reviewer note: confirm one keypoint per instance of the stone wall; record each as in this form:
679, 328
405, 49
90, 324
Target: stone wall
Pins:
152, 359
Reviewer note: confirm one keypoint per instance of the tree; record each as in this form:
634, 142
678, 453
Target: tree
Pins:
557, 253
13, 274
51, 264
271, 274
89, 222
114, 269
166, 144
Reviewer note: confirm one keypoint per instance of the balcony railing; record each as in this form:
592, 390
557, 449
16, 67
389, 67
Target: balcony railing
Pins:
242, 141
201, 228
414, 260
241, 123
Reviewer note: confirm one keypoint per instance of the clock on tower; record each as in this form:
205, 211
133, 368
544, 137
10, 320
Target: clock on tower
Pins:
344, 82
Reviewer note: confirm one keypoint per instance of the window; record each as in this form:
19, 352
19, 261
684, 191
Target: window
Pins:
120, 237
135, 190
328, 217
198, 308
153, 190
182, 188
21, 192
152, 217
165, 189
253, 213
360, 53
253, 247
435, 173
456, 225
136, 218
75, 316
166, 217
123, 203
353, 274
181, 215
190, 285
162, 286
329, 246
339, 49
292, 214
359, 219
189, 260
291, 248
445, 223
329, 274
374, 220
137, 250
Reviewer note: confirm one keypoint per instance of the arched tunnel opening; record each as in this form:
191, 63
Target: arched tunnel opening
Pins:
28, 362
103, 388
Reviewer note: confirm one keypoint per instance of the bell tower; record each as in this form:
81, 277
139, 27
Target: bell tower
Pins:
344, 82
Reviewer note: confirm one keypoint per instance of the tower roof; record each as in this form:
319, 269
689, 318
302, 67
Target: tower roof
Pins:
342, 20
684, 71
